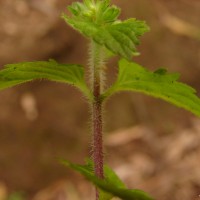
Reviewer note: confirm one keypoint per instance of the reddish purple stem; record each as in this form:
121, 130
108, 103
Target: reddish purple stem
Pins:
97, 134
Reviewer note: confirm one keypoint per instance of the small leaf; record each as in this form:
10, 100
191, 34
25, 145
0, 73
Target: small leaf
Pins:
98, 12
109, 186
98, 21
14, 74
133, 77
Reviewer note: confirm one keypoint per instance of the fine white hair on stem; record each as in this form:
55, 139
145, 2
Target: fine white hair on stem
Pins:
97, 64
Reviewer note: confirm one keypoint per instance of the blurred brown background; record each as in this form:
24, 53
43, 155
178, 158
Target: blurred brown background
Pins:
152, 145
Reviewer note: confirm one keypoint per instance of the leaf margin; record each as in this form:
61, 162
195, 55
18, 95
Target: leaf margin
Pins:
192, 103
22, 72
123, 193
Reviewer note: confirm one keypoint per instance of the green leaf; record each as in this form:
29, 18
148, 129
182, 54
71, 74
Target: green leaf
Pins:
133, 77
14, 74
98, 21
99, 12
112, 178
112, 185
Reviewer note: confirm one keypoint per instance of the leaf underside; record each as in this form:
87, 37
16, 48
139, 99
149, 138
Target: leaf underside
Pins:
133, 77
120, 37
14, 74
111, 185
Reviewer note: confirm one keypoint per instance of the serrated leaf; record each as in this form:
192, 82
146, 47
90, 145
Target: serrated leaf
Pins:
99, 22
14, 74
109, 186
99, 12
133, 77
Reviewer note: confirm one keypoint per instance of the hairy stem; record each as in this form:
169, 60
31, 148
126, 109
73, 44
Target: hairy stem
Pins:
97, 79
97, 142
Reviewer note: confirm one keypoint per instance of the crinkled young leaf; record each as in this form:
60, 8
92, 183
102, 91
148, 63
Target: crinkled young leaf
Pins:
99, 12
14, 74
133, 77
112, 185
98, 21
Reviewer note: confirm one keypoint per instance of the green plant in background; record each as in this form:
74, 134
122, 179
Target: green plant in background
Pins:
98, 21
